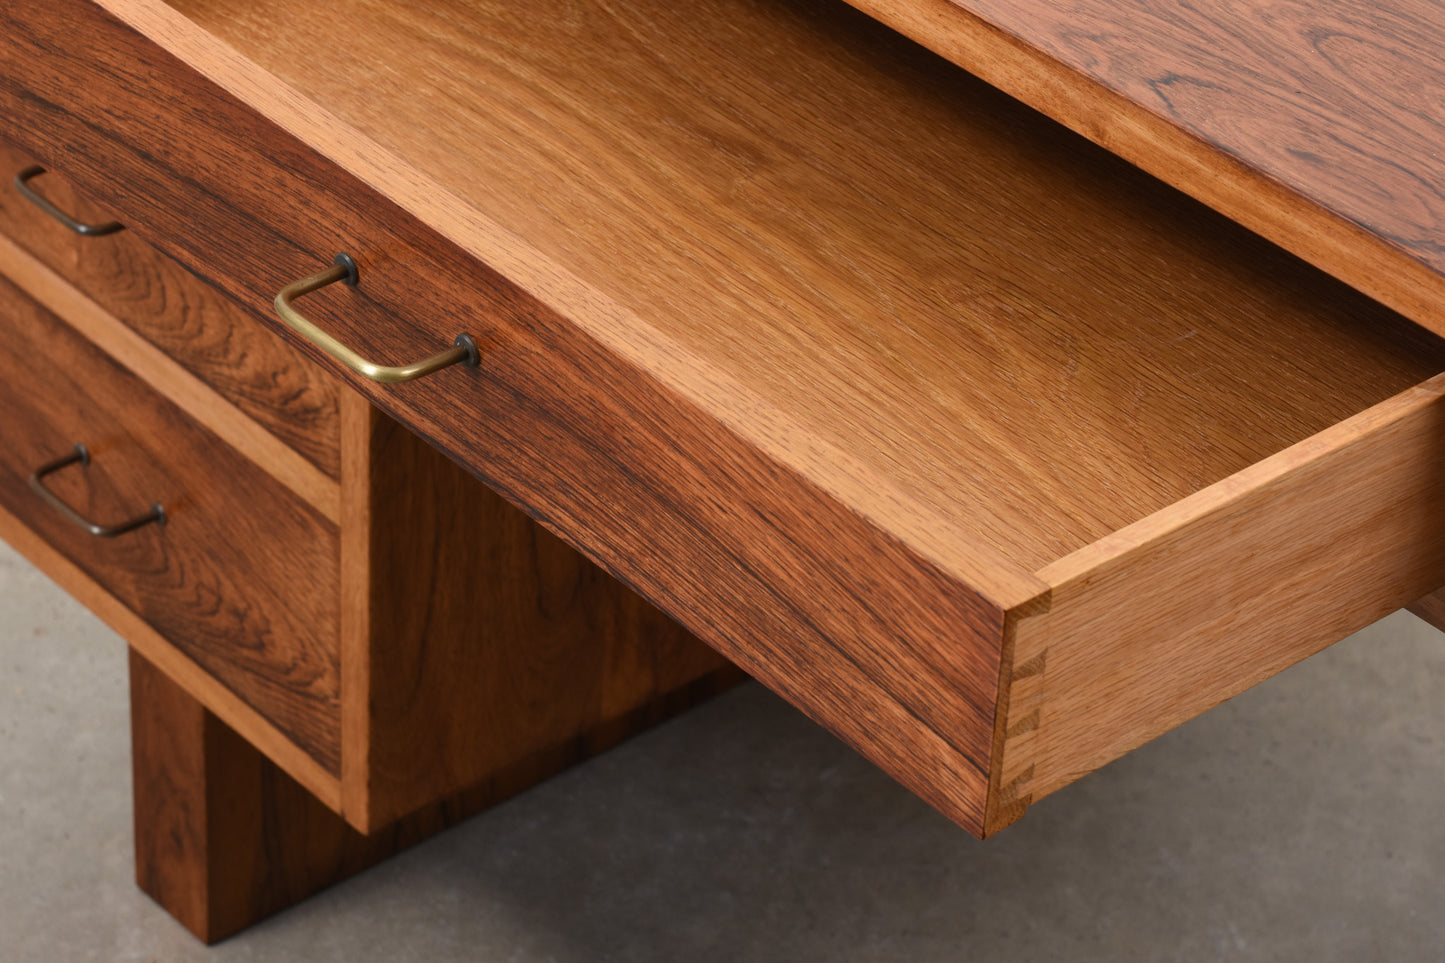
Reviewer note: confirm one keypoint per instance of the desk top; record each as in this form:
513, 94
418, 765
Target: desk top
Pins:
1320, 125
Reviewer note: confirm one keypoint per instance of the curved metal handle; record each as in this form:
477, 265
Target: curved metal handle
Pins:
344, 269
157, 514
22, 184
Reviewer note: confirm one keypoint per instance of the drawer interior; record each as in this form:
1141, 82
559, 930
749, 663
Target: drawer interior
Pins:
961, 306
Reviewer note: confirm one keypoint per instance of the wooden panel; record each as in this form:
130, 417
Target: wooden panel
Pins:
1316, 124
1171, 616
1430, 608
223, 838
169, 379
149, 644
169, 756
175, 311
486, 640
885, 643
243, 576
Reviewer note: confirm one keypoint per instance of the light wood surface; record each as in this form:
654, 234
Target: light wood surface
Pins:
1316, 124
242, 577
1171, 616
182, 318
857, 236
897, 655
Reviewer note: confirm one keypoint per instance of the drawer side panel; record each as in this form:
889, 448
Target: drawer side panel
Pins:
1192, 606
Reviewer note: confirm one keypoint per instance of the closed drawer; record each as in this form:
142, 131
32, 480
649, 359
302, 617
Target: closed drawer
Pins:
993, 455
242, 575
178, 313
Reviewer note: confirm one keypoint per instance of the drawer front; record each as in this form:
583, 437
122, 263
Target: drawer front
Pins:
177, 312
241, 577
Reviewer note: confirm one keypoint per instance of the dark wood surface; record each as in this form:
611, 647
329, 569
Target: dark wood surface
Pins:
243, 576
168, 378
142, 637
224, 838
1338, 100
837, 437
1319, 124
172, 747
200, 328
1430, 608
879, 642
485, 639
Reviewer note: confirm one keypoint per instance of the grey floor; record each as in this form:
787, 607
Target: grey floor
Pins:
1302, 821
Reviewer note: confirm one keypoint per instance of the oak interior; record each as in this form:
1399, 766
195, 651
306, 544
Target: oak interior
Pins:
1024, 334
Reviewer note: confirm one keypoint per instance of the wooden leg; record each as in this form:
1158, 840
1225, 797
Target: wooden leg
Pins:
224, 838
484, 657
1431, 608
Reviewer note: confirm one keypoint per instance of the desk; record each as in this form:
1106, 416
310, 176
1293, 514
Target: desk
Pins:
994, 455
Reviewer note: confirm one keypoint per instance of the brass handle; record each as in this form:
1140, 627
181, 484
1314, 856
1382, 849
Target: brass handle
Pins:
157, 514
344, 269
22, 184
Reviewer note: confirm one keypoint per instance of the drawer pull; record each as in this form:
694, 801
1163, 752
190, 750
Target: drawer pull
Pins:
22, 184
344, 269
157, 514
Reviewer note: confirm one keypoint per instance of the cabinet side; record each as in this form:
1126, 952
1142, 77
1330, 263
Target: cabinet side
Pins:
479, 642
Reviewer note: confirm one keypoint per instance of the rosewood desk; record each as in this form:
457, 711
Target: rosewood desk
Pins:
993, 453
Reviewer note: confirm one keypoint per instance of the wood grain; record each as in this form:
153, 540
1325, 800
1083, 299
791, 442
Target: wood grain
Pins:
242, 578
223, 838
170, 751
1317, 124
1430, 608
173, 310
1171, 616
486, 639
151, 646
167, 377
872, 636
858, 239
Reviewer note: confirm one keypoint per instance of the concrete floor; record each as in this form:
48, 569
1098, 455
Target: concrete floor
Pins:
1299, 822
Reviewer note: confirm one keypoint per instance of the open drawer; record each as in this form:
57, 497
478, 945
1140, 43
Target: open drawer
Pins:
993, 454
